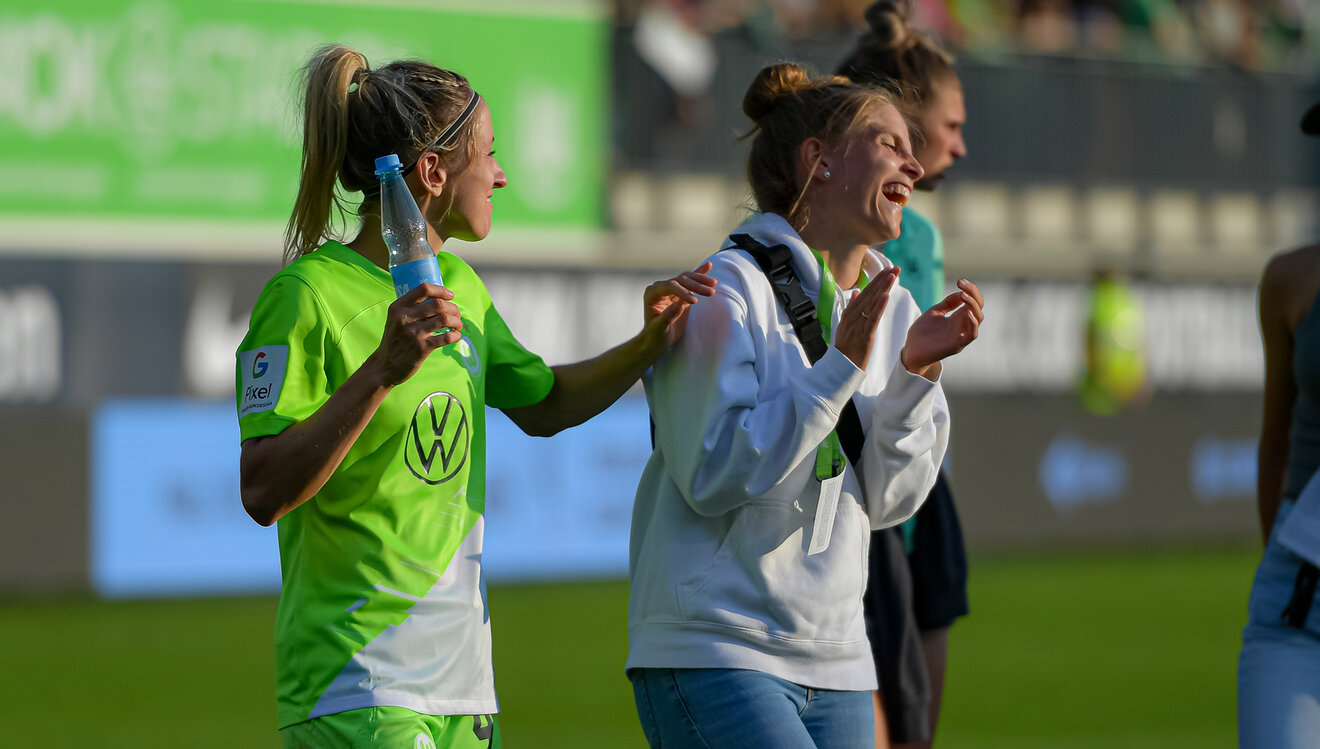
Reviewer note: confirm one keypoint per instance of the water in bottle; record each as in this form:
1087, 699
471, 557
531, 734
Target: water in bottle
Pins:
412, 261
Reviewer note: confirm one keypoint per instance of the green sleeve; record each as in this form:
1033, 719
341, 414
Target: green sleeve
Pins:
289, 332
516, 377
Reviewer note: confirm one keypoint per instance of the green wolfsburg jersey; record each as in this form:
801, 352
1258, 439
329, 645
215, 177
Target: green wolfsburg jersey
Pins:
383, 602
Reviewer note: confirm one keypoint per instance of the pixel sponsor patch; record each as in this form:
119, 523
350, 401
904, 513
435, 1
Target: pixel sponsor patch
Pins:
263, 374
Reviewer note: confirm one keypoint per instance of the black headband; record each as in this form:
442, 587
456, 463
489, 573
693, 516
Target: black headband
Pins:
445, 141
449, 137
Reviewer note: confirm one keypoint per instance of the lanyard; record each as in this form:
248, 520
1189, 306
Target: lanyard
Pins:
829, 456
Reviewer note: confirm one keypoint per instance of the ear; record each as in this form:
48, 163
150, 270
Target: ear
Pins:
431, 173
814, 159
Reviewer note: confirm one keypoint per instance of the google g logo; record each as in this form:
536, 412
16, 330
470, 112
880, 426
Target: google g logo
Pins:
259, 367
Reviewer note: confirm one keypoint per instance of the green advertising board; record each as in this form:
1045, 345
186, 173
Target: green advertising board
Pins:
174, 124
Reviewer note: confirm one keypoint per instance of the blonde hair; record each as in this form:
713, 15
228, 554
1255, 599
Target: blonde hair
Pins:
352, 115
788, 107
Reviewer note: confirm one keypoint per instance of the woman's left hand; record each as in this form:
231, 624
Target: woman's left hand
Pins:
666, 303
944, 330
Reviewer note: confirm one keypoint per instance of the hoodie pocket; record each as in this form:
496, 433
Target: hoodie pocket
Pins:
761, 578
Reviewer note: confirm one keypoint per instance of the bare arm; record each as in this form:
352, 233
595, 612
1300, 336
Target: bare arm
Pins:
586, 388
1280, 392
280, 472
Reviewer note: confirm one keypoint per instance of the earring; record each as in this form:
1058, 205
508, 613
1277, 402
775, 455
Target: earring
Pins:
827, 174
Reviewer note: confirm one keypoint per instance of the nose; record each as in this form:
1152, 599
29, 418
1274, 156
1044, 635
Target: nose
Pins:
912, 168
501, 179
958, 147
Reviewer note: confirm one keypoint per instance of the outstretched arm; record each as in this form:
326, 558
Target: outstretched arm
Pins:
1280, 392
586, 388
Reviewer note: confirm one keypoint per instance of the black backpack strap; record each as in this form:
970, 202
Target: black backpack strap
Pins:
776, 263
1294, 614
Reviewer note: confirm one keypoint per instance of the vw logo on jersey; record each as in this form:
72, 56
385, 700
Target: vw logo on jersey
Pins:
438, 440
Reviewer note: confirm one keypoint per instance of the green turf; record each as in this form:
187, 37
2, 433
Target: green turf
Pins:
1132, 650
1122, 650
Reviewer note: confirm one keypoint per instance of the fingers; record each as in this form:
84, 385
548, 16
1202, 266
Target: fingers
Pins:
700, 276
672, 312
686, 287
673, 287
873, 300
422, 313
972, 299
439, 340
948, 304
424, 291
432, 314
972, 289
968, 295
698, 282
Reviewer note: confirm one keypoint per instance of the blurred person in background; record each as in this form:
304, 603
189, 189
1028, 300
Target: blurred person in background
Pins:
362, 417
670, 36
1114, 375
753, 516
1047, 25
919, 569
1279, 666
1230, 30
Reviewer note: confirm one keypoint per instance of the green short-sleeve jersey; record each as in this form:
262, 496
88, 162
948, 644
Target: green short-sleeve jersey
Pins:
383, 601
919, 252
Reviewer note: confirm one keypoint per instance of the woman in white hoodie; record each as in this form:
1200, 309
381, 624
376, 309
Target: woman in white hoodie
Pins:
750, 529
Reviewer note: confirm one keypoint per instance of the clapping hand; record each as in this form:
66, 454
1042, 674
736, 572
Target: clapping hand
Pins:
944, 330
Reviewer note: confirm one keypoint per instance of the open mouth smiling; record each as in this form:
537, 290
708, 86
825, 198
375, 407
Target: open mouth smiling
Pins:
897, 192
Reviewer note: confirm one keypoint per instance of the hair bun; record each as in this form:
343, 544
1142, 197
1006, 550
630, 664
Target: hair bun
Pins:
888, 20
772, 84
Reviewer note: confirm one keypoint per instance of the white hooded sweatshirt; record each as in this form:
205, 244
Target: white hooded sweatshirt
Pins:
723, 520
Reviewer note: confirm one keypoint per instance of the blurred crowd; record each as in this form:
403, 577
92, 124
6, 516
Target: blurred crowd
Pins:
1251, 34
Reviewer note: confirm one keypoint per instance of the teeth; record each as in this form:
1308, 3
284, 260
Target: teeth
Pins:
896, 193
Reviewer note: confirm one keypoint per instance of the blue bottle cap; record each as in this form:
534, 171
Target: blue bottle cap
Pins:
387, 162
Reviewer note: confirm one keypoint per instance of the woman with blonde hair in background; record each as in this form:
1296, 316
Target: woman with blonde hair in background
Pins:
752, 518
919, 569
363, 416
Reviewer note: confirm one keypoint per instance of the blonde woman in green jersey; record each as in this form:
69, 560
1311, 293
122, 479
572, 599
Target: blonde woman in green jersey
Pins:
363, 423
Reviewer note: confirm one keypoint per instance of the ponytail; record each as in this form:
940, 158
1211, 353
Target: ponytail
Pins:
352, 115
328, 78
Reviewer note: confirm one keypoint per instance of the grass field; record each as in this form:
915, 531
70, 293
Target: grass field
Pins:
1132, 650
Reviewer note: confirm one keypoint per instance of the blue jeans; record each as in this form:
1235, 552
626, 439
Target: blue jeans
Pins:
1279, 668
720, 708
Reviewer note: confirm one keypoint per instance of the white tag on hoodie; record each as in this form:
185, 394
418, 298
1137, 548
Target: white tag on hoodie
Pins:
823, 528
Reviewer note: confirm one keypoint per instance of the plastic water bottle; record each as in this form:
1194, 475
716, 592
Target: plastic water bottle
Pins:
412, 261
